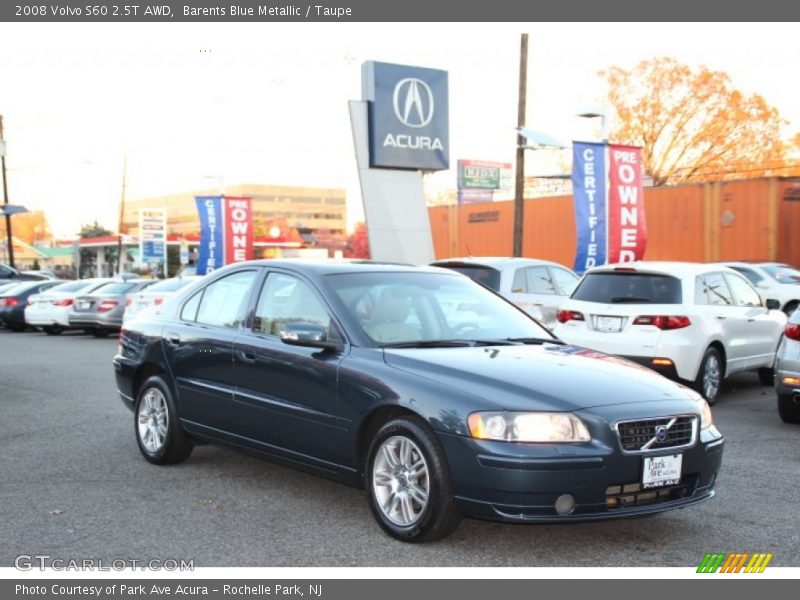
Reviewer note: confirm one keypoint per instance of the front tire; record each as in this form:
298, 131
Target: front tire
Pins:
709, 376
160, 437
408, 482
788, 409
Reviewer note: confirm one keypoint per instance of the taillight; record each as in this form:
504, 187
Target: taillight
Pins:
12, 302
158, 301
107, 305
64, 302
792, 331
663, 321
569, 315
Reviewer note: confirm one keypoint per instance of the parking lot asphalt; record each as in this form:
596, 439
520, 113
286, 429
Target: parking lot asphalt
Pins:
73, 485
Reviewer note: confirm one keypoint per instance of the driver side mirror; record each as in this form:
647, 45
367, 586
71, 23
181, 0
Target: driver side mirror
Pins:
309, 335
773, 304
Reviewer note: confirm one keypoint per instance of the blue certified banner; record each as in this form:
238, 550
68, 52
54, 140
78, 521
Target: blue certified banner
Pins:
589, 194
408, 116
211, 254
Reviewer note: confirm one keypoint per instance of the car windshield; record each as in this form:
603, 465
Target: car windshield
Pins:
628, 288
484, 275
70, 286
782, 273
426, 308
114, 288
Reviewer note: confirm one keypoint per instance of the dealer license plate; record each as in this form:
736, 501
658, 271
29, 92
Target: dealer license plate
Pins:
608, 323
84, 305
660, 471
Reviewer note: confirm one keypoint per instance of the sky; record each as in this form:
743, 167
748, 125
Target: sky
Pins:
196, 106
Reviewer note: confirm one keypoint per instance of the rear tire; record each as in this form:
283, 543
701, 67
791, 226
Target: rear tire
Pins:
16, 327
709, 376
408, 482
788, 409
53, 329
100, 333
159, 434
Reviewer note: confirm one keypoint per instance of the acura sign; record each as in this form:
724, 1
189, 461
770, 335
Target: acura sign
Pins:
408, 117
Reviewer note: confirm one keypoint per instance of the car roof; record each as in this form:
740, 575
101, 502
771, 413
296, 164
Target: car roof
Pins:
335, 266
674, 268
496, 261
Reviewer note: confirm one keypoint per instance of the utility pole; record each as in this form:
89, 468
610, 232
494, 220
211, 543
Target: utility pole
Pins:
9, 236
519, 186
121, 215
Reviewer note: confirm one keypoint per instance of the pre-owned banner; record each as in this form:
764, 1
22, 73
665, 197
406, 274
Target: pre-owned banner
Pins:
210, 255
589, 192
238, 229
627, 229
226, 231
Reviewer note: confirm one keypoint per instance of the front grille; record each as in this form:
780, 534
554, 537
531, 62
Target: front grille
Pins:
632, 494
649, 435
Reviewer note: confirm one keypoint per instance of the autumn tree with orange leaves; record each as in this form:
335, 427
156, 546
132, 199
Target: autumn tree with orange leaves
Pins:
693, 125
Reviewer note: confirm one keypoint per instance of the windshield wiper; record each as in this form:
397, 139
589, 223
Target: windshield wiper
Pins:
536, 341
431, 344
455, 343
621, 299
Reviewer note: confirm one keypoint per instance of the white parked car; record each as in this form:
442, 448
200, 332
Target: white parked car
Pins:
155, 295
697, 323
536, 286
50, 310
773, 280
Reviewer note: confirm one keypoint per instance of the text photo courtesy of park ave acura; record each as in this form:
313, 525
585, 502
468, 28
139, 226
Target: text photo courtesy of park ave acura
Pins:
281, 299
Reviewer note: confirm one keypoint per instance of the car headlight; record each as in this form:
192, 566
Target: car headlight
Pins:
527, 427
706, 418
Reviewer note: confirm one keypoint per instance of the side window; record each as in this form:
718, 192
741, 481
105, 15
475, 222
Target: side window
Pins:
189, 310
717, 290
743, 293
751, 275
287, 299
224, 302
564, 280
519, 285
700, 294
539, 282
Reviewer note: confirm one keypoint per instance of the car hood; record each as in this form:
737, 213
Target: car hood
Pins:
538, 377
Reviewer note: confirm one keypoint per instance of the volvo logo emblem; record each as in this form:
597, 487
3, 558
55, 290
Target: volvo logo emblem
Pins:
413, 102
661, 433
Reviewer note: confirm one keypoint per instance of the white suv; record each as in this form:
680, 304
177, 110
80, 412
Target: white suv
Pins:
696, 323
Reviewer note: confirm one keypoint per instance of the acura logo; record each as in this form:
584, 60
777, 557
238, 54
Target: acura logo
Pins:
413, 102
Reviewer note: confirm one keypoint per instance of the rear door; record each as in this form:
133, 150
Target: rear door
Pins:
535, 292
199, 349
732, 319
763, 331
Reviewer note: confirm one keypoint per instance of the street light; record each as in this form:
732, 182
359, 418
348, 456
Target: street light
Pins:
592, 112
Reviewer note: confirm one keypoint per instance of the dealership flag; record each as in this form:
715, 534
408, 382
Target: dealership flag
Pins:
226, 231
627, 229
589, 193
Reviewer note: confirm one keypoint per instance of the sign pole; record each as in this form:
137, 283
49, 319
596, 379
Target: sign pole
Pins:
519, 187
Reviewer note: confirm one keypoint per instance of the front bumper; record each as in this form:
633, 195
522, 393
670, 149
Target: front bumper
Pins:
522, 482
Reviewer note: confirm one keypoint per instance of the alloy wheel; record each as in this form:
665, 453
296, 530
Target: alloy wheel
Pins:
153, 420
711, 376
401, 481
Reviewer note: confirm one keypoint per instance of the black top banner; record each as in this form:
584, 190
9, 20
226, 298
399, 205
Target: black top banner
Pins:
399, 11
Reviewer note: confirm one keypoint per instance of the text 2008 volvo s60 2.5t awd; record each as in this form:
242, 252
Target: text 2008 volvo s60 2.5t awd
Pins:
438, 396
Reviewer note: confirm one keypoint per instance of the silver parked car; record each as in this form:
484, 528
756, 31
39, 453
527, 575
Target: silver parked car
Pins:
536, 286
787, 371
101, 311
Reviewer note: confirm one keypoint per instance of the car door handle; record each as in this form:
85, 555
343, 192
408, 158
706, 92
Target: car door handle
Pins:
246, 356
721, 317
173, 339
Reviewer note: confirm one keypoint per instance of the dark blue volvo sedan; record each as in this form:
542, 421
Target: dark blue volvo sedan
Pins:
439, 397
